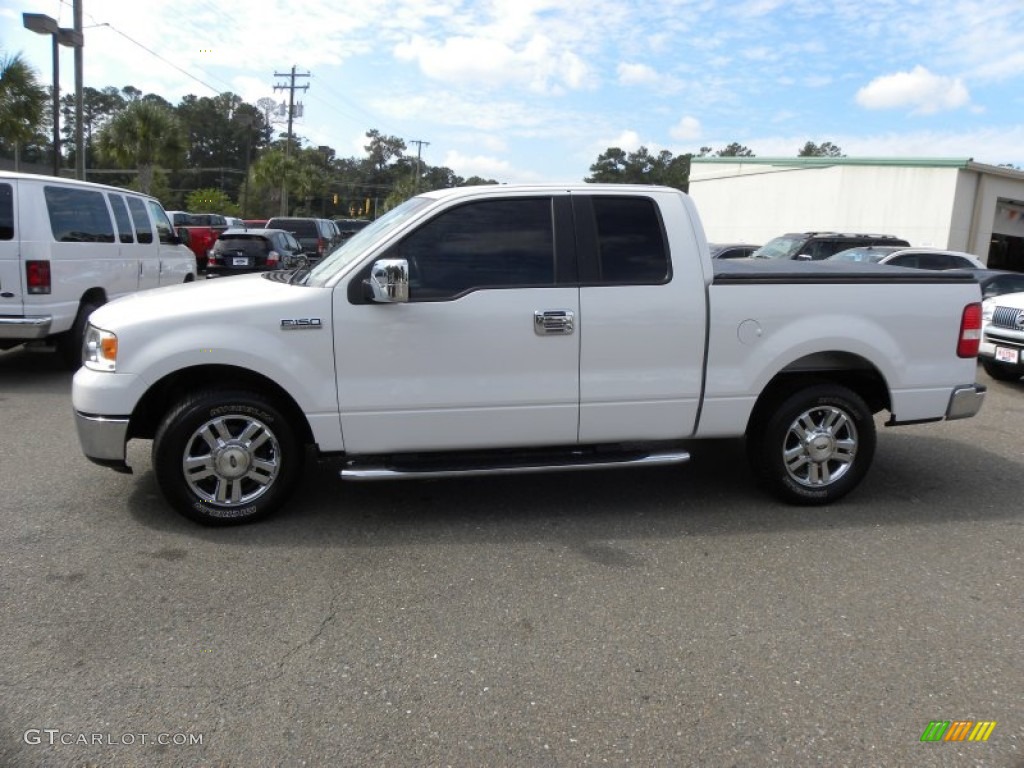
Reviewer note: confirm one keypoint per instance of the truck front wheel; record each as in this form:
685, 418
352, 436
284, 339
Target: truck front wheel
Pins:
814, 446
226, 457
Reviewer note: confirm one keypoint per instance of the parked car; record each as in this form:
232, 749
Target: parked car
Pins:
348, 227
998, 282
815, 246
318, 237
255, 223
67, 247
199, 231
918, 258
731, 250
253, 250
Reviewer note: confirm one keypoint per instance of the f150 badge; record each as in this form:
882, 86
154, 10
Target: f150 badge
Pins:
302, 324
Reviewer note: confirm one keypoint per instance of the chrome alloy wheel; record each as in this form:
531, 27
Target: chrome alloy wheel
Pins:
820, 446
231, 460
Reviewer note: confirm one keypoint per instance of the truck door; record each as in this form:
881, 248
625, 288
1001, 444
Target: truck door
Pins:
642, 300
11, 289
485, 353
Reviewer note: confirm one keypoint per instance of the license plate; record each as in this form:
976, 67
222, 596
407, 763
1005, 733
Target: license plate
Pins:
1005, 355
240, 261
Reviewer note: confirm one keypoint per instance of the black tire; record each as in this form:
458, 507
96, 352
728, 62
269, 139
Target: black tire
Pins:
814, 446
245, 457
1001, 371
69, 344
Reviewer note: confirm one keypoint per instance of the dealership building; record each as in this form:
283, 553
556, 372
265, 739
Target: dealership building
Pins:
950, 203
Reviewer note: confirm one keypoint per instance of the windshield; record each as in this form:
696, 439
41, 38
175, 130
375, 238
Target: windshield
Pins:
779, 248
355, 246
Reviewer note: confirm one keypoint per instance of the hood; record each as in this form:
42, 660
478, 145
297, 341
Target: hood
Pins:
203, 300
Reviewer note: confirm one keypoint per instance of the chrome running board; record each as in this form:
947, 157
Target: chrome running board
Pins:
434, 467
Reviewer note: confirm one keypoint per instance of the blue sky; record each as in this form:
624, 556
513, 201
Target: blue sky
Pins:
534, 90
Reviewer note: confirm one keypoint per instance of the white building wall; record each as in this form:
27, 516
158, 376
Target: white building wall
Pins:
748, 202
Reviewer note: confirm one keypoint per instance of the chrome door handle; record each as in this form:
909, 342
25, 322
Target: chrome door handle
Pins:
554, 322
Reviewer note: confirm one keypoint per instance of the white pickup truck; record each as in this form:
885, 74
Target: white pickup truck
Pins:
513, 329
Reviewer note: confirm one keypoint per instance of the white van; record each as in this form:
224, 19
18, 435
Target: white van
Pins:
67, 246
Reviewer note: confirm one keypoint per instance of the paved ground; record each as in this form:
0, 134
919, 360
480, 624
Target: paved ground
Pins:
647, 617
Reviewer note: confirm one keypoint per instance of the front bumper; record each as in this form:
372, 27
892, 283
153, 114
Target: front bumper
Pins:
965, 401
25, 328
103, 439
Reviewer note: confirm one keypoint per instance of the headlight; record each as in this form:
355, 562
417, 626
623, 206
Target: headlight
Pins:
988, 306
100, 350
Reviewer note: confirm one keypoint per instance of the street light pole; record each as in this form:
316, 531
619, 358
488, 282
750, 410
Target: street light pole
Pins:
45, 25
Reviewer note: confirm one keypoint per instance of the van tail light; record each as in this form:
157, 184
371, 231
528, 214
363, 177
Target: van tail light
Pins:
273, 258
970, 331
37, 276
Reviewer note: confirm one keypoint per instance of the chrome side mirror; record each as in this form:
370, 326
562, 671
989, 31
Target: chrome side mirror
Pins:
389, 281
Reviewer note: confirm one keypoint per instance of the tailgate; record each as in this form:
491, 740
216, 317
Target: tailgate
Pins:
12, 290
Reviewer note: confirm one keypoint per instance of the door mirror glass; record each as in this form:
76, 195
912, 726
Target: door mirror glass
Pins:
389, 281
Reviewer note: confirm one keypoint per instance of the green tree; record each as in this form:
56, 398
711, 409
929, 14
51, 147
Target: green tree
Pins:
210, 200
826, 149
143, 135
734, 150
98, 106
22, 103
615, 166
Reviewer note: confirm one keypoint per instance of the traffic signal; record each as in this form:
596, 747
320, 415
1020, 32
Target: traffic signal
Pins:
335, 198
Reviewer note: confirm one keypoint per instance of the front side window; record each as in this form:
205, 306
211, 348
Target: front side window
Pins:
631, 241
78, 215
487, 244
164, 230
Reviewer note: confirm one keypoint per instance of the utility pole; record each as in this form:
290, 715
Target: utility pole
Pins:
79, 134
419, 151
291, 87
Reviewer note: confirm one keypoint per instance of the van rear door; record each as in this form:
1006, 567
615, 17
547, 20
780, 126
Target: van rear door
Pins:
12, 289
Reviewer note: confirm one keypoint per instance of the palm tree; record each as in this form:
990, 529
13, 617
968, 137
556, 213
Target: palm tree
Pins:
144, 134
22, 102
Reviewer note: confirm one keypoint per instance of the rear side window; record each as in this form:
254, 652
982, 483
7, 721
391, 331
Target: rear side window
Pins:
631, 241
78, 215
6, 212
252, 246
124, 224
143, 230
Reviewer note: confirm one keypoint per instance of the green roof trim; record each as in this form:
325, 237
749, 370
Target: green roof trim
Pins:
913, 162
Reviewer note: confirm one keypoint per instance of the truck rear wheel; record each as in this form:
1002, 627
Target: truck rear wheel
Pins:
814, 446
226, 457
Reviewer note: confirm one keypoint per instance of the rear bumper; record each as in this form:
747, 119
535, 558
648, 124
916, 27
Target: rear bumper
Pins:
965, 401
103, 439
25, 327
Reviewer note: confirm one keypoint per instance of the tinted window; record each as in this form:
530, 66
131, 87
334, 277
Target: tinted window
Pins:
164, 230
959, 262
299, 227
6, 212
124, 224
249, 245
78, 215
489, 244
631, 244
143, 230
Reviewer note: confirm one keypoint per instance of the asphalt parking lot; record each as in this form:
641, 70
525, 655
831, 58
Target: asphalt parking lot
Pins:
669, 616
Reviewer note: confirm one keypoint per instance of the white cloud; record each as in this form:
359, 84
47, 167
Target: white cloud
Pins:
490, 62
687, 129
921, 90
636, 74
